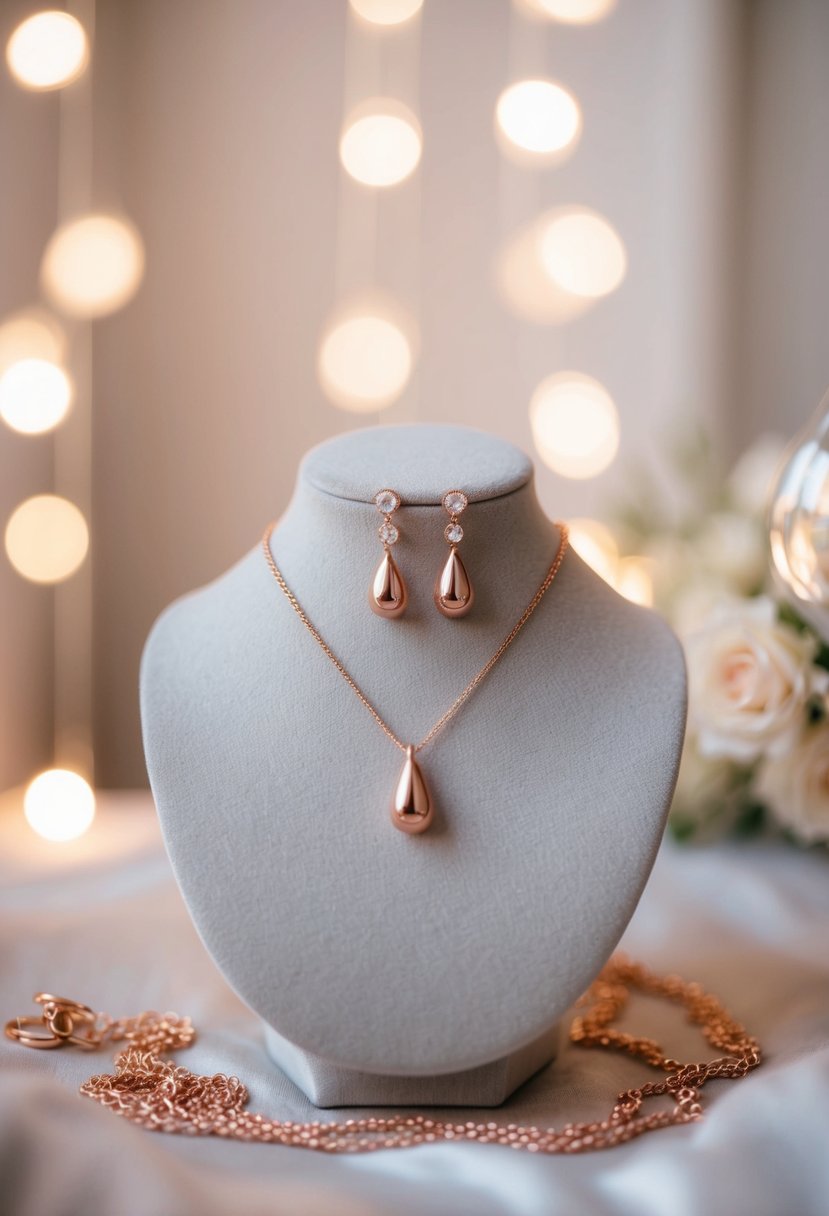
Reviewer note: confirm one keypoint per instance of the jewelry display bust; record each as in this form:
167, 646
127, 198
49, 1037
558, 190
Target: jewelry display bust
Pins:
393, 968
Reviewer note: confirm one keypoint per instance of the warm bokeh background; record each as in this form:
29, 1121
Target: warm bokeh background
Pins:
215, 126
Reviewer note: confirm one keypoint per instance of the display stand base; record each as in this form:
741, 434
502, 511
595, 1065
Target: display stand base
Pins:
329, 1085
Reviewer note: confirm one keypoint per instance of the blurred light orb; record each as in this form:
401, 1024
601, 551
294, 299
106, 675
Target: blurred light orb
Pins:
634, 580
59, 804
34, 396
46, 539
596, 545
31, 333
381, 143
570, 12
93, 265
524, 284
47, 51
386, 12
364, 363
538, 118
575, 425
583, 254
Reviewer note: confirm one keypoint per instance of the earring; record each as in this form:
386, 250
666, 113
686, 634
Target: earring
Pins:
387, 594
453, 590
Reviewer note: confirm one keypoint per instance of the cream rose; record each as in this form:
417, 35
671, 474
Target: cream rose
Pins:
749, 679
796, 786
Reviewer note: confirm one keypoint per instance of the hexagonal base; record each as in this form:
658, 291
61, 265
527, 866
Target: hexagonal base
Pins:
329, 1085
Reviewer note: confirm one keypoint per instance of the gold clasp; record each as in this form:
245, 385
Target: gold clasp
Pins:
61, 1021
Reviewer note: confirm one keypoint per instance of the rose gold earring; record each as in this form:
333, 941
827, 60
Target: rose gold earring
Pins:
454, 592
387, 594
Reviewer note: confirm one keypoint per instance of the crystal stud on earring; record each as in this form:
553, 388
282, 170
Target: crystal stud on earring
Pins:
454, 593
387, 594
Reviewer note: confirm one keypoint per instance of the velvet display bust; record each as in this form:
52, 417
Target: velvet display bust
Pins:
427, 968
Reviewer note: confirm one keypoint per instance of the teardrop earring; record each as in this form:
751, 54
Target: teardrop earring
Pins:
454, 592
387, 594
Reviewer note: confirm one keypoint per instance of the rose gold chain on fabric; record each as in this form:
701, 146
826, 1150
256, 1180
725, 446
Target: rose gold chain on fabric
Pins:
473, 683
162, 1096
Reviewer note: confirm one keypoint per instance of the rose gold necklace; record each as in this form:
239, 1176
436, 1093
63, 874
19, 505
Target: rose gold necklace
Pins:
412, 810
162, 1096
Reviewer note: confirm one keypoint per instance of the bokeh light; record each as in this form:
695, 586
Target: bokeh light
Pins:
93, 265
59, 804
381, 143
596, 545
582, 253
575, 425
570, 12
34, 395
526, 287
47, 51
632, 577
537, 119
634, 580
31, 333
46, 539
386, 12
365, 361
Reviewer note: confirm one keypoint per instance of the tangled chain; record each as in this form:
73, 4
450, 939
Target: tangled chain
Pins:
162, 1096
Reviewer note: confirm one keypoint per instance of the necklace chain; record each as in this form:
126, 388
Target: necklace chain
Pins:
473, 683
161, 1095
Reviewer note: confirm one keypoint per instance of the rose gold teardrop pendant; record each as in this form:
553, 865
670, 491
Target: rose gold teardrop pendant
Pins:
454, 593
411, 809
387, 594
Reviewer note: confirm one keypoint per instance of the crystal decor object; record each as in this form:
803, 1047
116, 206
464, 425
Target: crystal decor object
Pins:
798, 521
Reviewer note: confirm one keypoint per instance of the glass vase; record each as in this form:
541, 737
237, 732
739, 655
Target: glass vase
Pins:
798, 522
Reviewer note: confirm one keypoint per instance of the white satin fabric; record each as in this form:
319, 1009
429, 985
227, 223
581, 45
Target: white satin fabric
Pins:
101, 920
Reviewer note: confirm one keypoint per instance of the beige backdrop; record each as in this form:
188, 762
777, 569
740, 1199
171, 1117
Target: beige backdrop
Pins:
216, 128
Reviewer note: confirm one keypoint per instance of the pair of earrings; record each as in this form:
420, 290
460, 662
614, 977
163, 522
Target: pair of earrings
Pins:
453, 589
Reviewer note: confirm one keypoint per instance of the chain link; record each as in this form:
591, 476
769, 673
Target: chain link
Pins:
162, 1096
473, 683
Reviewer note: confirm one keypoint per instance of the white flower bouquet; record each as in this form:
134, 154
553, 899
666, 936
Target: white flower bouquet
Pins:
757, 749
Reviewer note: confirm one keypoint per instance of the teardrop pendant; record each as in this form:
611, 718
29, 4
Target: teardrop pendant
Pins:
388, 595
454, 593
411, 809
